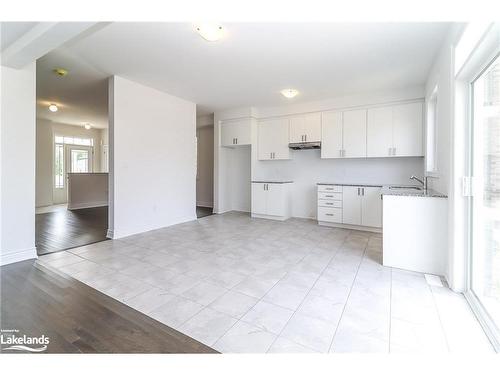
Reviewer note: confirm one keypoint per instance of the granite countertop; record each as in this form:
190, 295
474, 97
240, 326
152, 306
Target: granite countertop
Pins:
348, 184
272, 182
429, 193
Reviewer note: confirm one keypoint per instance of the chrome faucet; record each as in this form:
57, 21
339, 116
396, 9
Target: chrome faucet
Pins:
424, 182
418, 179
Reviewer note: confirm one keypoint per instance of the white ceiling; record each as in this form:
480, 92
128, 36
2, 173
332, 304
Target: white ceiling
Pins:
249, 66
11, 31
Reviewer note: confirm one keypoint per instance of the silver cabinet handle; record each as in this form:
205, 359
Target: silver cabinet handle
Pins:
236, 140
363, 191
390, 151
329, 196
329, 214
305, 137
394, 151
358, 191
270, 155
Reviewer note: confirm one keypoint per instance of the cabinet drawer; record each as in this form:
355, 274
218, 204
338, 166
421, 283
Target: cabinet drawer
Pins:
330, 188
329, 195
330, 214
328, 203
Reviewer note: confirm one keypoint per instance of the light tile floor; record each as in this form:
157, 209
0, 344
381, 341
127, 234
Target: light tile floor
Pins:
250, 285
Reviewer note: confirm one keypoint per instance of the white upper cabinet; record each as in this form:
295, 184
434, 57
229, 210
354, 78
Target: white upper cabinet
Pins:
354, 134
305, 128
379, 132
395, 130
331, 135
408, 129
236, 132
273, 137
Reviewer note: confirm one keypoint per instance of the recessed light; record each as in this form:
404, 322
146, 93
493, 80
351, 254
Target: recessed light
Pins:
88, 126
289, 93
53, 108
210, 31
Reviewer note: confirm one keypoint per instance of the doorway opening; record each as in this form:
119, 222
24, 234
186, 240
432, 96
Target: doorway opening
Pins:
72, 159
204, 166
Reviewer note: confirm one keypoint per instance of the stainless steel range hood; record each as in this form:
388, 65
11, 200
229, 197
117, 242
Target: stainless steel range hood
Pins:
305, 146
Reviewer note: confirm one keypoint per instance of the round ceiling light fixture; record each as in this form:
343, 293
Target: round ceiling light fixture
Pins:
289, 93
61, 72
211, 32
88, 126
53, 108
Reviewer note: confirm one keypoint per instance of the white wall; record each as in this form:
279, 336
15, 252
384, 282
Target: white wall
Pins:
17, 236
205, 166
152, 164
45, 131
442, 75
306, 168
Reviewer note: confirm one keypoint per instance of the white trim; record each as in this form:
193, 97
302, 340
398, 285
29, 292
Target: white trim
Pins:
120, 233
349, 226
77, 206
269, 217
484, 319
18, 256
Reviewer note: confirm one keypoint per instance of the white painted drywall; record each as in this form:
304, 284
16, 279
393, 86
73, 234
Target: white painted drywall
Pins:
442, 75
18, 97
87, 190
205, 166
306, 168
45, 132
153, 158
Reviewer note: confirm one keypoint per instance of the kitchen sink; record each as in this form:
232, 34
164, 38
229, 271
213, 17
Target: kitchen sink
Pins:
405, 187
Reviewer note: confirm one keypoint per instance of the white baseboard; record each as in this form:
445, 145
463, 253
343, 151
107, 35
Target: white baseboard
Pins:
120, 233
18, 256
270, 217
78, 206
205, 204
349, 226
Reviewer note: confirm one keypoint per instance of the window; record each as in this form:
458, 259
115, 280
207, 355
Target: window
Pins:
485, 244
78, 162
59, 166
431, 133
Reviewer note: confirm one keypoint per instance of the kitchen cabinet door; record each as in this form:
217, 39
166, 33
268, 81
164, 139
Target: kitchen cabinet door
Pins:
354, 133
273, 139
379, 132
371, 207
305, 128
331, 135
351, 205
408, 129
236, 132
276, 199
259, 199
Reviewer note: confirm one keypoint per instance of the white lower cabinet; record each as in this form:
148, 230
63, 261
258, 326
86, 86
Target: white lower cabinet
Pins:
271, 200
350, 205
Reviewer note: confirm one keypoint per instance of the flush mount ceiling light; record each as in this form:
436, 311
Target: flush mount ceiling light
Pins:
88, 126
53, 108
289, 93
61, 72
210, 31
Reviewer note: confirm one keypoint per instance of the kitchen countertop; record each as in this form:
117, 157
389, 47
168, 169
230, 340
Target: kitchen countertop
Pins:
348, 184
272, 182
429, 193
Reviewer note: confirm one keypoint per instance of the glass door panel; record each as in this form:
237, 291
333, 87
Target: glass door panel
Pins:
80, 161
485, 256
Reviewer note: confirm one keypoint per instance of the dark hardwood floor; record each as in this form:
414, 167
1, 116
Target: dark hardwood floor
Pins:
203, 211
78, 319
61, 230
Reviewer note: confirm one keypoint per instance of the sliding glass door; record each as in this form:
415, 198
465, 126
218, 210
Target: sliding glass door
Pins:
485, 209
